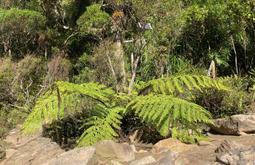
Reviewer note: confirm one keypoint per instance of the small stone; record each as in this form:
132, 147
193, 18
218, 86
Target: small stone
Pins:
142, 151
171, 144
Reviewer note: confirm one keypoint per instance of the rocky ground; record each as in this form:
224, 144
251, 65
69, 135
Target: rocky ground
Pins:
218, 150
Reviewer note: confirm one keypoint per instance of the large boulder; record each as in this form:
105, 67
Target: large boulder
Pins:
112, 150
144, 161
80, 156
34, 152
227, 146
235, 125
230, 153
166, 158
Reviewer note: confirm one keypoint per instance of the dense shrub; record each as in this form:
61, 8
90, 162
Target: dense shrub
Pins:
30, 70
19, 85
7, 74
219, 30
93, 20
19, 31
84, 71
226, 103
59, 68
102, 66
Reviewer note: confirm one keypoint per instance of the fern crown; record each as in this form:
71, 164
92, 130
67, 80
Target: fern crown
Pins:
158, 104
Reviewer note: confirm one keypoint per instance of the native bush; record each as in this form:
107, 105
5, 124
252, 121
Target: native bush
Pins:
59, 68
213, 26
227, 103
19, 30
108, 47
93, 21
19, 86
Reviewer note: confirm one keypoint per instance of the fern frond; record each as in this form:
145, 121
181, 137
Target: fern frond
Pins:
102, 127
94, 90
186, 136
65, 99
166, 111
181, 84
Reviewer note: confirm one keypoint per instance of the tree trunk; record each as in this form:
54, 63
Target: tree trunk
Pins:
111, 68
236, 60
134, 65
119, 65
212, 70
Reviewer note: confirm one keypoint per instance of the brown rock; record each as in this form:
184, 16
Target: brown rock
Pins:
33, 152
228, 146
80, 156
228, 159
171, 144
235, 125
204, 143
114, 162
234, 154
110, 149
166, 158
144, 161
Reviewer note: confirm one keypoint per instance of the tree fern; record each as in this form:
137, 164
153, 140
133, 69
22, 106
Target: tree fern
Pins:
162, 108
181, 84
169, 112
64, 99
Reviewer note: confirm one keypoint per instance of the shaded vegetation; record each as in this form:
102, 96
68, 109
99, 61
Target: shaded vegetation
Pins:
81, 69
